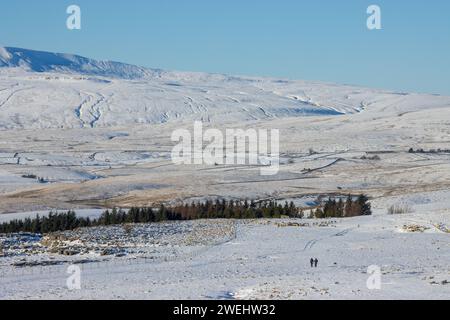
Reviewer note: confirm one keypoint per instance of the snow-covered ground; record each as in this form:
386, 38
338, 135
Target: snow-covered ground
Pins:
76, 133
266, 259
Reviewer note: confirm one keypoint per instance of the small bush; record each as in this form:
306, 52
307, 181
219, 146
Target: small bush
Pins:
401, 208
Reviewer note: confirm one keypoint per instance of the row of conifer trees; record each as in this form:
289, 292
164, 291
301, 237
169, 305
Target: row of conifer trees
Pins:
352, 207
219, 209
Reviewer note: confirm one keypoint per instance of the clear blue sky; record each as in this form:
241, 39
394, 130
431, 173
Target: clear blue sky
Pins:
314, 40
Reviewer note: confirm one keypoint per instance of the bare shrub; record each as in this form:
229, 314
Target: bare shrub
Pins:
400, 208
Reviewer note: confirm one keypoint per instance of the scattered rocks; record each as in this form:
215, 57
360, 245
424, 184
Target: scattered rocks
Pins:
442, 227
442, 283
414, 228
18, 244
153, 240
113, 252
70, 252
291, 224
320, 224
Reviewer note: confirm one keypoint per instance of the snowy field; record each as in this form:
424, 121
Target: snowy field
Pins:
267, 259
86, 135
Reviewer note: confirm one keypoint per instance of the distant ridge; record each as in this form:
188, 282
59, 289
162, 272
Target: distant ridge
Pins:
41, 61
54, 90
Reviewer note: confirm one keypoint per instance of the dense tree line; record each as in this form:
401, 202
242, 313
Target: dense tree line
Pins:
340, 209
233, 210
219, 209
45, 224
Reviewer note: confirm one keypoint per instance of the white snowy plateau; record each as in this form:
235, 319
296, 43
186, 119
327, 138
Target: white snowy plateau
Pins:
77, 133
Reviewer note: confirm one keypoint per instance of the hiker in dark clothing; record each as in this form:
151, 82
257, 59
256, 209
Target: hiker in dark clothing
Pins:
312, 262
316, 262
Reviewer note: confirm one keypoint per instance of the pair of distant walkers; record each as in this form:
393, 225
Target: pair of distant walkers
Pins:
314, 262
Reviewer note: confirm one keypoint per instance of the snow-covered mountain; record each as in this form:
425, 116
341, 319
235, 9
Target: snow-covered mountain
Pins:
53, 90
40, 61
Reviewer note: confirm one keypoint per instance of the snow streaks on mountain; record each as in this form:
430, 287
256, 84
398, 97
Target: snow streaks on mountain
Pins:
49, 90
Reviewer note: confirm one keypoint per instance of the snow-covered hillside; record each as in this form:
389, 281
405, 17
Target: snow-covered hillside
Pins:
49, 90
40, 61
